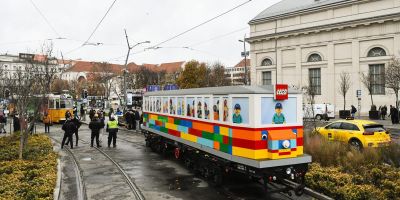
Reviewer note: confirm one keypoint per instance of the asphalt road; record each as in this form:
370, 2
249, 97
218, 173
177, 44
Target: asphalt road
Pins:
157, 177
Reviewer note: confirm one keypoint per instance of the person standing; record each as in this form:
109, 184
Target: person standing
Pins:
353, 111
128, 117
83, 113
77, 125
133, 120
16, 124
111, 113
69, 128
112, 129
91, 114
2, 124
384, 112
67, 115
396, 115
47, 122
95, 126
137, 119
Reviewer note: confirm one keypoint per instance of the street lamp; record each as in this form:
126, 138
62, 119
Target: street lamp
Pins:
245, 59
126, 64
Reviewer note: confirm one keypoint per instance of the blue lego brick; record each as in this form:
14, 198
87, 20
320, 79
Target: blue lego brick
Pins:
264, 135
294, 131
216, 129
293, 144
273, 144
205, 142
183, 129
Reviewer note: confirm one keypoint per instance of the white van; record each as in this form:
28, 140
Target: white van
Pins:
321, 111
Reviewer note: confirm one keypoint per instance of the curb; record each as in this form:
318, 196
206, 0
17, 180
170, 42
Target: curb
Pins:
57, 189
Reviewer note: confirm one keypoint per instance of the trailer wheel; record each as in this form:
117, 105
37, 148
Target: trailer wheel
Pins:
177, 153
218, 177
318, 117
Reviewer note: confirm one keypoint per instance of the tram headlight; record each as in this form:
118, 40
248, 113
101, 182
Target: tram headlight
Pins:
288, 171
286, 144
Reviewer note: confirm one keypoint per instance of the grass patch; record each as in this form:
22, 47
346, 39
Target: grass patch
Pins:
31, 178
344, 173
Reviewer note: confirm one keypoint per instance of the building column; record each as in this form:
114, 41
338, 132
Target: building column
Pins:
330, 77
397, 45
279, 78
253, 66
355, 77
299, 76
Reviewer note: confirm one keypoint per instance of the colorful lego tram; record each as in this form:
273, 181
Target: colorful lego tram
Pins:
245, 129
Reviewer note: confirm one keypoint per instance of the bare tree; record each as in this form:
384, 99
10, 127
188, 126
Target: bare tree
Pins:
310, 93
217, 76
102, 74
344, 86
368, 81
392, 77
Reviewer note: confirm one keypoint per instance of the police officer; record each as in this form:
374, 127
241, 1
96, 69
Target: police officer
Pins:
69, 128
95, 125
112, 129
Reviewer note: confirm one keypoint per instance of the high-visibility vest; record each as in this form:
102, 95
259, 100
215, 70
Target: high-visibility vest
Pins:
112, 124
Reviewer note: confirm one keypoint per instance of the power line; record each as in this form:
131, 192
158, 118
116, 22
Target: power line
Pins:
203, 23
217, 37
45, 19
97, 26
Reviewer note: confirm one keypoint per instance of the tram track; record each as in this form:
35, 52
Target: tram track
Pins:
82, 186
135, 190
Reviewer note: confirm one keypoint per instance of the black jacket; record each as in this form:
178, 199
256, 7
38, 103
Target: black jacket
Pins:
69, 127
96, 125
16, 124
137, 116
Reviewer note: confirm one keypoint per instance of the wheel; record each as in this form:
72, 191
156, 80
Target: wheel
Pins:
218, 177
318, 117
177, 153
356, 144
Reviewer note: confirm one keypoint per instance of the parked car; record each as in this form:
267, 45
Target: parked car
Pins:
321, 111
357, 133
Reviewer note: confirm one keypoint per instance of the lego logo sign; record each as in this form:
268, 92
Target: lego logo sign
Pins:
281, 92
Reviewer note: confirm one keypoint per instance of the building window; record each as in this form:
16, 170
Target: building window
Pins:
266, 62
377, 73
266, 78
376, 52
315, 80
314, 58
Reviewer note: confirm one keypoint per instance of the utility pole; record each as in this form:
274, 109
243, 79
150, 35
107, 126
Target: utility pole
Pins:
126, 64
245, 59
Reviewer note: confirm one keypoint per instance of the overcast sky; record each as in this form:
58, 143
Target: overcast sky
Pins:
23, 29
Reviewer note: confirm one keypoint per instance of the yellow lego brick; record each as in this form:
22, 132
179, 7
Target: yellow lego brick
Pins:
154, 117
171, 126
242, 152
300, 150
224, 131
261, 154
189, 137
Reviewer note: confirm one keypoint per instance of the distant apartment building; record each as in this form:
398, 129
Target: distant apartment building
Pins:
236, 74
11, 64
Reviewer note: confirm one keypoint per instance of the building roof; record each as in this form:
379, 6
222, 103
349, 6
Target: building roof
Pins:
242, 62
265, 89
289, 6
171, 67
84, 66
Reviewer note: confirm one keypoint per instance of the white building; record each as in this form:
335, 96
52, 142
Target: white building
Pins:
11, 64
236, 74
294, 41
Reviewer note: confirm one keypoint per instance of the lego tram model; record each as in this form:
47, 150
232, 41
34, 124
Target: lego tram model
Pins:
255, 130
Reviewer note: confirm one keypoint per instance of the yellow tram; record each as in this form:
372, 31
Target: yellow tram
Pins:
58, 105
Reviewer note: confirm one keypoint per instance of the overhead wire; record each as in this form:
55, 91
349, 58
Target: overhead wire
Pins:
203, 23
98, 24
45, 18
217, 37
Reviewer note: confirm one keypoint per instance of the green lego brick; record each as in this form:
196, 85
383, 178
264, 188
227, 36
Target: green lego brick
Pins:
207, 135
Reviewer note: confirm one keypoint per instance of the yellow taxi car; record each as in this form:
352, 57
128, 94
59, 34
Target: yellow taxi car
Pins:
357, 133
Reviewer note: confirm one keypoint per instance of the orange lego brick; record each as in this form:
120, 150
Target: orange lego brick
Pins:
286, 134
203, 127
216, 145
246, 134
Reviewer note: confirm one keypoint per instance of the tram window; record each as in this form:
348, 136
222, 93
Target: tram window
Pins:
57, 104
165, 105
181, 106
216, 108
172, 105
240, 107
199, 108
158, 104
225, 106
51, 103
207, 108
190, 106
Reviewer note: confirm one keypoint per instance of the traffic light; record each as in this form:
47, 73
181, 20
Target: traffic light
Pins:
7, 93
